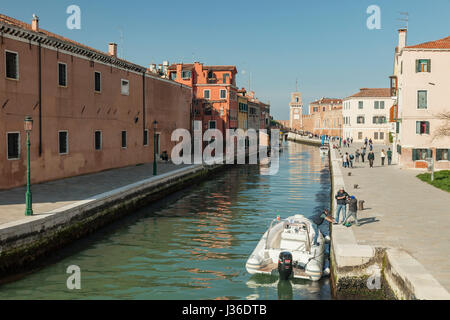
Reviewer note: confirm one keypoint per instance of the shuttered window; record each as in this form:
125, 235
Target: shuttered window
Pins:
422, 127
422, 99
421, 154
62, 74
423, 65
442, 154
13, 140
63, 141
12, 65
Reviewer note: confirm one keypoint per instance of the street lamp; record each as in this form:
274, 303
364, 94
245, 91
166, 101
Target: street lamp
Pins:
28, 126
155, 126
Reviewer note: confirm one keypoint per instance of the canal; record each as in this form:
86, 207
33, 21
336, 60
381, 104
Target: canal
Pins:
193, 244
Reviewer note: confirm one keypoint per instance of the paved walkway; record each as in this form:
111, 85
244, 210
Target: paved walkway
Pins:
56, 194
401, 211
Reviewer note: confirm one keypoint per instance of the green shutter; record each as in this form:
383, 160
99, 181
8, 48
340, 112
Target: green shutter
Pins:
414, 155
427, 129
417, 66
418, 127
429, 65
430, 153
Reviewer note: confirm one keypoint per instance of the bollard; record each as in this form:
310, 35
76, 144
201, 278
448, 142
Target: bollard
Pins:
361, 205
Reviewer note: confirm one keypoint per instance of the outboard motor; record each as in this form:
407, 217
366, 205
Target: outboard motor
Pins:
285, 265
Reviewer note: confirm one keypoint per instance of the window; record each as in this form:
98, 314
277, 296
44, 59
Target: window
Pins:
212, 124
360, 136
378, 119
225, 77
146, 137
12, 65
377, 105
186, 74
421, 154
423, 65
210, 75
423, 127
360, 104
360, 119
125, 87
173, 76
62, 74
442, 154
158, 143
124, 139
206, 94
375, 135
97, 79
422, 99
98, 140
223, 94
13, 141
381, 135
63, 140
381, 104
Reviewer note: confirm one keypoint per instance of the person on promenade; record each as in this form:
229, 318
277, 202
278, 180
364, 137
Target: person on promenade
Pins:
389, 156
343, 161
341, 197
383, 156
318, 220
365, 141
357, 154
370, 141
371, 158
350, 160
363, 154
352, 209
370, 146
351, 140
347, 160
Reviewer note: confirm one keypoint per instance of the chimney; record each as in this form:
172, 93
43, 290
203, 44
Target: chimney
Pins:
35, 23
401, 39
112, 49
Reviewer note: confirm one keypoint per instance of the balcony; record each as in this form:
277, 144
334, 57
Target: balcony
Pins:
394, 86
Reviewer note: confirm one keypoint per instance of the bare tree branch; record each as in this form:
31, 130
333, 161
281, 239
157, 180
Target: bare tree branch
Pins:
444, 129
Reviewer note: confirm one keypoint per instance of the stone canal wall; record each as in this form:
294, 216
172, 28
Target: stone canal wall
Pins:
370, 272
22, 244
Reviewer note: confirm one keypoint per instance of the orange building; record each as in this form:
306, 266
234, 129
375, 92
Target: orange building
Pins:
92, 111
325, 117
214, 93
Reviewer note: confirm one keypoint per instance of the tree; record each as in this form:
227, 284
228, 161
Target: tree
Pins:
444, 129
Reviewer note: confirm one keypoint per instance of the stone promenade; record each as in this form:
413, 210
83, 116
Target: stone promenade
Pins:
402, 212
56, 194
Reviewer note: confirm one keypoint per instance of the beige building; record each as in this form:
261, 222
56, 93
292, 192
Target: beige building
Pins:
366, 114
421, 86
295, 111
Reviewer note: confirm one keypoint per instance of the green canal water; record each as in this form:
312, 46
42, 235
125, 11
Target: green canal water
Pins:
194, 244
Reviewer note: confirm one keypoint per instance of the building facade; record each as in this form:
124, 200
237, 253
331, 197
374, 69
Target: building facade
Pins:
325, 117
420, 86
214, 93
91, 110
253, 111
366, 114
242, 109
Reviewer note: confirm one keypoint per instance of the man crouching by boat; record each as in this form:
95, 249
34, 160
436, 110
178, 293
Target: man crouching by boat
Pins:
318, 220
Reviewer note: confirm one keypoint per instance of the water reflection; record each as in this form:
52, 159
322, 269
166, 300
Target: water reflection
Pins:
194, 244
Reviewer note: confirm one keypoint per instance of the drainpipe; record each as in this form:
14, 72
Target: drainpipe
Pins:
40, 99
143, 109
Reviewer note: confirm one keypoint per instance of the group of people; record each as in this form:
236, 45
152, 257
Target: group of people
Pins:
343, 199
347, 142
347, 158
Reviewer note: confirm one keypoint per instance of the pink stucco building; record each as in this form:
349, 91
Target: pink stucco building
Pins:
92, 111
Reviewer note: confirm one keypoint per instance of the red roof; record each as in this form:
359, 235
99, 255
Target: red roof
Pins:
443, 43
373, 92
328, 101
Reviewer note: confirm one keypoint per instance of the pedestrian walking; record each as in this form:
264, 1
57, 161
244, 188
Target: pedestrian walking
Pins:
363, 154
343, 161
365, 141
370, 146
371, 158
341, 198
347, 160
389, 156
345, 143
318, 220
383, 156
352, 209
357, 154
370, 141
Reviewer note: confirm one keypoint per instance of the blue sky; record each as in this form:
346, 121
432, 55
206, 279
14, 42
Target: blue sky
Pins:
325, 44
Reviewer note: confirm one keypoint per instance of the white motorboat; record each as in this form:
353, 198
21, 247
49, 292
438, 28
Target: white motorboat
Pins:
287, 248
324, 149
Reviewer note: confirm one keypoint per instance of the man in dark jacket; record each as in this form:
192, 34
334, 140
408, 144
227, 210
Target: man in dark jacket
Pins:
371, 158
318, 220
341, 197
352, 209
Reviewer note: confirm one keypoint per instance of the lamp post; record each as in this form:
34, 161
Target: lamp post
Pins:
155, 126
28, 126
